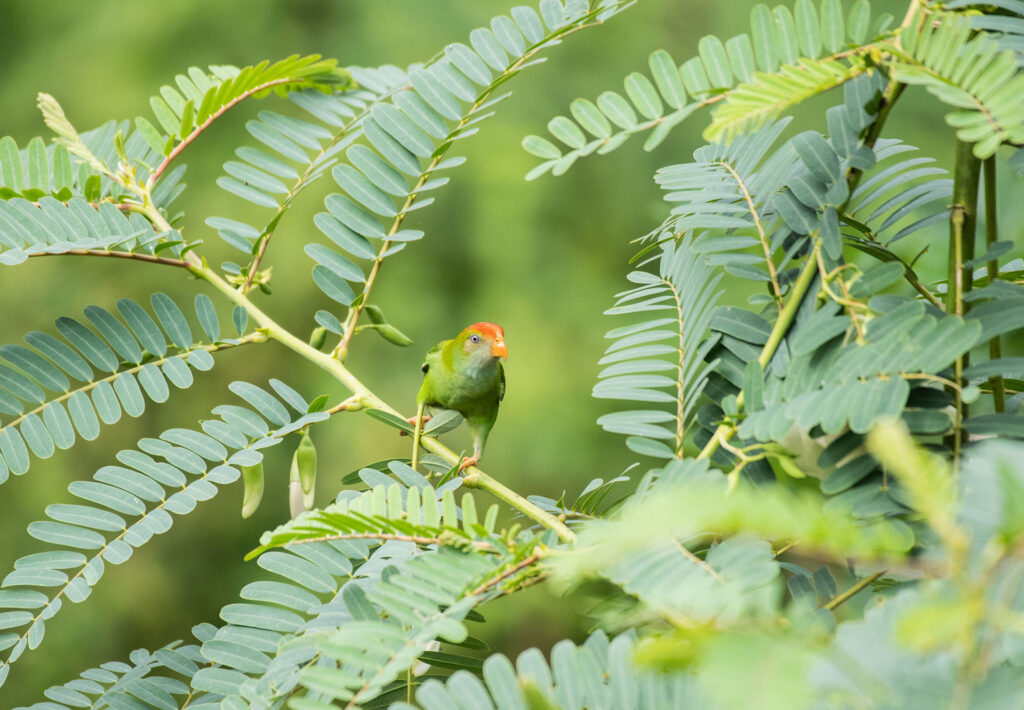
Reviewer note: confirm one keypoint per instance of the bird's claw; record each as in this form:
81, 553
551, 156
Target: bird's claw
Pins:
412, 420
467, 462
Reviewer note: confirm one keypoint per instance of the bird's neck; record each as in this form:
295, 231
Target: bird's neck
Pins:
480, 364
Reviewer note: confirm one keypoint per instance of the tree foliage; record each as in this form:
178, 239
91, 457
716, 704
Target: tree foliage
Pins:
853, 434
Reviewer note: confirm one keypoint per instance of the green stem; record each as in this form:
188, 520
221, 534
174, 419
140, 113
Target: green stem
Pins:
995, 346
474, 477
149, 258
889, 97
839, 599
796, 294
960, 280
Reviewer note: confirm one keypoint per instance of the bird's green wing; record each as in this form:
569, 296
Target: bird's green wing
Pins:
432, 356
501, 382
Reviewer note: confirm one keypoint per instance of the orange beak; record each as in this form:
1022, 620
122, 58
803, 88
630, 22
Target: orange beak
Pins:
499, 349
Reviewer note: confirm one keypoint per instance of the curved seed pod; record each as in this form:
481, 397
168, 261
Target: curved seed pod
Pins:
305, 457
387, 331
296, 505
252, 488
375, 314
318, 338
393, 335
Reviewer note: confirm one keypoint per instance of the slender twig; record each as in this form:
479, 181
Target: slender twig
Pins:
475, 478
840, 598
960, 280
698, 561
418, 539
352, 404
149, 258
995, 346
923, 290
680, 369
198, 130
785, 548
796, 295
931, 378
514, 569
760, 231
150, 211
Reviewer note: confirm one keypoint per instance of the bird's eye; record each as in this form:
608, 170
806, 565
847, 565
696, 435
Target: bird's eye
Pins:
475, 338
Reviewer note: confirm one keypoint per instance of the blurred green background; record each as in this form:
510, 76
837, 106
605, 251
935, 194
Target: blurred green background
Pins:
543, 259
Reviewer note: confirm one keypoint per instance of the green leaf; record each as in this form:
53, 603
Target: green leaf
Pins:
391, 420
666, 76
643, 95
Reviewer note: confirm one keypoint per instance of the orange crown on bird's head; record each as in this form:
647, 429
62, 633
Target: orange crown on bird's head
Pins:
495, 334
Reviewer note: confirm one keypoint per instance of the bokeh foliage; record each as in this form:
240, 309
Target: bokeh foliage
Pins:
536, 258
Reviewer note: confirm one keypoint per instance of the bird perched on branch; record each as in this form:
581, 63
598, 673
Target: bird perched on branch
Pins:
465, 374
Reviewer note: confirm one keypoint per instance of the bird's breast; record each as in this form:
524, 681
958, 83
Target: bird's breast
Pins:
471, 389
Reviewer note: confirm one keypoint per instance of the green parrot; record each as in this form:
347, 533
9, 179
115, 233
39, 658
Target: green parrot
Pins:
465, 374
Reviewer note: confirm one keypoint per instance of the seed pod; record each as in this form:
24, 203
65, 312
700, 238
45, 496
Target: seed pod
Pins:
305, 456
304, 469
252, 488
295, 503
375, 313
393, 335
387, 331
318, 338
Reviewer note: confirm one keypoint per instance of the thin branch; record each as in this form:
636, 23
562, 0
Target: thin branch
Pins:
150, 212
475, 478
513, 570
760, 231
960, 280
352, 404
698, 561
796, 295
149, 258
198, 130
418, 539
839, 599
995, 346
923, 290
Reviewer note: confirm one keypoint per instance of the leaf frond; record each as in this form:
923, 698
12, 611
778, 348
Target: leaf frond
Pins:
124, 506
59, 389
